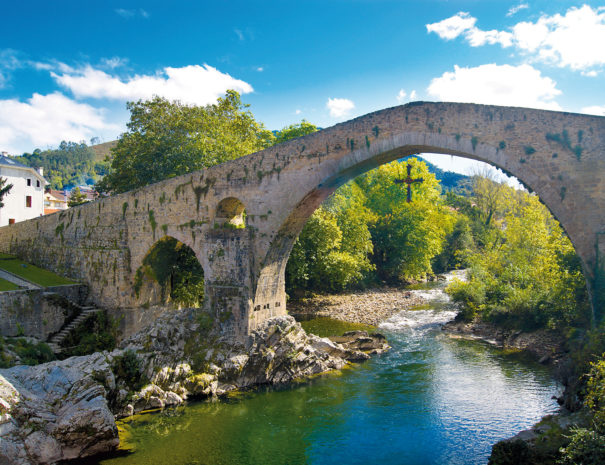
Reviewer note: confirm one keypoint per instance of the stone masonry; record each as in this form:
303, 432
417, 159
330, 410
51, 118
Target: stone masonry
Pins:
560, 156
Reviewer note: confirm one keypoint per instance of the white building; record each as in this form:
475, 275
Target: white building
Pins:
26, 198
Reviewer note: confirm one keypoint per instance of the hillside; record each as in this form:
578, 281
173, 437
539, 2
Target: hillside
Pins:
103, 150
71, 164
450, 181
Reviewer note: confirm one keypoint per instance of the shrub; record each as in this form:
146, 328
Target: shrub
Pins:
127, 367
96, 333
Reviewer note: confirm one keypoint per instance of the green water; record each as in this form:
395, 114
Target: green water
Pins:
430, 400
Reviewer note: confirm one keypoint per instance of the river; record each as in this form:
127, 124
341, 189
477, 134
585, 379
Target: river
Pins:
430, 400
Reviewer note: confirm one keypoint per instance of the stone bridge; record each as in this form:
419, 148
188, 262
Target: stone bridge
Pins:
560, 156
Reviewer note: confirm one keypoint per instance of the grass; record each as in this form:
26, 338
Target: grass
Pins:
7, 285
31, 273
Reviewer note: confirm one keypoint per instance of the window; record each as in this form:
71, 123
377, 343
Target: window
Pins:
38, 183
28, 201
11, 221
29, 182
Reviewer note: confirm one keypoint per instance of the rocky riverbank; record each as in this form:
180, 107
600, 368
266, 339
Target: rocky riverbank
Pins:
370, 307
548, 347
66, 409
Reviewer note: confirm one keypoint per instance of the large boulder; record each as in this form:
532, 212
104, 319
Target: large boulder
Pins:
56, 411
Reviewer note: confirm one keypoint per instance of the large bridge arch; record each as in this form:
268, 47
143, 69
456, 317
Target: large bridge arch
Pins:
561, 156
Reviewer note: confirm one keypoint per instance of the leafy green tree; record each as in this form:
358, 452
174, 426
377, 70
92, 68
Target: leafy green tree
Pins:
76, 198
406, 236
319, 261
167, 139
294, 130
527, 279
4, 190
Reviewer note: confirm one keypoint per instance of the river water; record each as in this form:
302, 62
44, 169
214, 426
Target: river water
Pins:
430, 400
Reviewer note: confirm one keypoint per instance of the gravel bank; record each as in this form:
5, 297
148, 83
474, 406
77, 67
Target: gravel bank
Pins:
370, 307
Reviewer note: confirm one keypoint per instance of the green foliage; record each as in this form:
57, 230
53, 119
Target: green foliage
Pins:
174, 266
319, 259
4, 190
587, 447
28, 352
69, 165
587, 444
96, 333
526, 273
167, 139
127, 367
294, 130
367, 231
76, 198
406, 236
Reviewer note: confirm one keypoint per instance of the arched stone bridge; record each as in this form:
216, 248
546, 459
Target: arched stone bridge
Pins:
561, 156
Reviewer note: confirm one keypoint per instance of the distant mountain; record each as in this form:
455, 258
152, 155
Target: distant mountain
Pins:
450, 181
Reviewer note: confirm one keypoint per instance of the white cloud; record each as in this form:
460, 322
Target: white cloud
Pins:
260, 69
114, 62
508, 85
297, 112
463, 23
401, 96
413, 95
127, 14
452, 27
45, 120
513, 10
569, 40
594, 110
477, 37
194, 84
339, 107
9, 61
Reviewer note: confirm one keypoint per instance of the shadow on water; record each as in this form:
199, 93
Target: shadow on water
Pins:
430, 400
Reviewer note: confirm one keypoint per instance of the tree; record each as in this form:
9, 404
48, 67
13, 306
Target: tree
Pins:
295, 130
76, 198
4, 189
167, 139
530, 278
406, 236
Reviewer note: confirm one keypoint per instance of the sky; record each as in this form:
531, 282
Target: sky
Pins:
67, 68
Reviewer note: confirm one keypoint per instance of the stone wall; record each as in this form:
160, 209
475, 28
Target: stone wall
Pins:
558, 155
38, 313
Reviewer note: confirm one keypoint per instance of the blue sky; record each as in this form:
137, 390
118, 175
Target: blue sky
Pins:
68, 67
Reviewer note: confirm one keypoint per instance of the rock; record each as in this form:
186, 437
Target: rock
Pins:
173, 399
56, 411
361, 341
59, 410
127, 411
